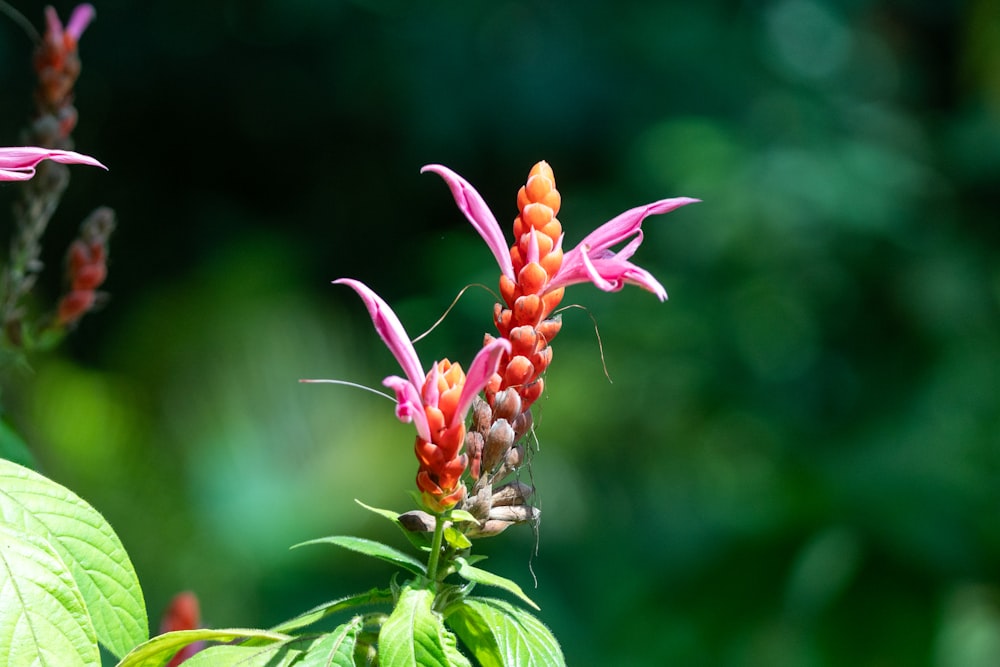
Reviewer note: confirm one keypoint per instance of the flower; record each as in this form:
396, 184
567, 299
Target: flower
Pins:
183, 613
18, 163
535, 271
591, 260
436, 402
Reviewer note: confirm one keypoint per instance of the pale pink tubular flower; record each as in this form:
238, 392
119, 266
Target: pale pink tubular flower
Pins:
414, 393
592, 260
18, 163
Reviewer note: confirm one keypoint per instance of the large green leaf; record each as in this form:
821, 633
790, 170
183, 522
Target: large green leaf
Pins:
160, 649
335, 649
87, 545
319, 612
487, 578
499, 634
372, 548
414, 636
280, 654
43, 620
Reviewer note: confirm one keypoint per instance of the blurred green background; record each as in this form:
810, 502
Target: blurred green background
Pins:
798, 461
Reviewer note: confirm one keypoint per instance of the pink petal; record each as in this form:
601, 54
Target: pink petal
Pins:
18, 163
53, 26
478, 213
389, 329
80, 19
592, 261
480, 371
625, 224
409, 406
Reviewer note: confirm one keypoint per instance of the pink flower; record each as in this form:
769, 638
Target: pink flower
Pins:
592, 260
436, 402
18, 163
78, 21
418, 391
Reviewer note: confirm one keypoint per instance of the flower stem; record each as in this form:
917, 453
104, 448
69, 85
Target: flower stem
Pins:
432, 562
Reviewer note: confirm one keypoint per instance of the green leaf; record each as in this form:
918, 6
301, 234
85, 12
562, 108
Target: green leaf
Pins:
43, 619
335, 648
373, 548
319, 612
499, 634
388, 514
87, 545
487, 578
281, 654
414, 636
160, 649
456, 539
462, 515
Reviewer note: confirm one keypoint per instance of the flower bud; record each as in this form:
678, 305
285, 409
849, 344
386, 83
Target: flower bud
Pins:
498, 441
522, 424
507, 405
547, 329
515, 457
474, 450
416, 521
519, 371
482, 415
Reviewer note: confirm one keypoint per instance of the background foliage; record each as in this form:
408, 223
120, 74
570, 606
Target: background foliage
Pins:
797, 463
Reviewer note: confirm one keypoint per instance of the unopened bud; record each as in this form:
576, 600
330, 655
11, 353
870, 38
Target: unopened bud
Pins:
522, 424
474, 451
515, 457
498, 441
417, 521
519, 371
506, 405
482, 415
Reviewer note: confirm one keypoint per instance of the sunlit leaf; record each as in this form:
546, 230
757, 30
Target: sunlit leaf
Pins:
87, 545
499, 634
462, 515
43, 620
279, 654
335, 649
456, 539
160, 649
414, 636
374, 549
319, 612
487, 578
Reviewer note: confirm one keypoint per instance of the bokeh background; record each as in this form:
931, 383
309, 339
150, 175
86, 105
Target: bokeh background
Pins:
798, 460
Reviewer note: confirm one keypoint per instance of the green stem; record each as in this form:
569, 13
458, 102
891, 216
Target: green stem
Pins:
432, 563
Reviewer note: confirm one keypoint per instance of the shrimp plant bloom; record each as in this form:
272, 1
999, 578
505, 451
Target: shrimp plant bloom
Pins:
18, 163
436, 402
